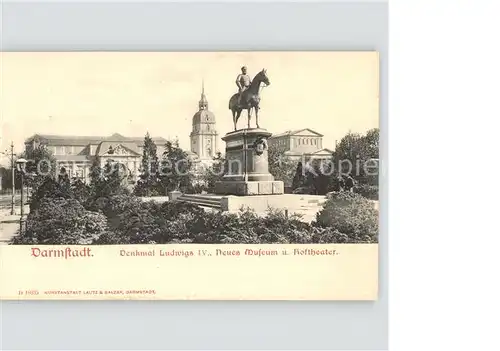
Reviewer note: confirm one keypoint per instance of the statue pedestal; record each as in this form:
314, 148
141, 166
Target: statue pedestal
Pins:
248, 167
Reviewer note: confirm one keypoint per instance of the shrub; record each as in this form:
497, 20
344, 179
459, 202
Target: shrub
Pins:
173, 209
125, 219
114, 205
133, 221
49, 188
143, 188
368, 191
347, 217
139, 222
111, 237
61, 221
80, 191
178, 222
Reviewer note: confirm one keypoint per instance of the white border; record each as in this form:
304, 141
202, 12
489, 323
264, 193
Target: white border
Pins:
444, 232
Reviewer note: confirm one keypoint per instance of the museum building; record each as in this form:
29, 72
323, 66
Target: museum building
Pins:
300, 143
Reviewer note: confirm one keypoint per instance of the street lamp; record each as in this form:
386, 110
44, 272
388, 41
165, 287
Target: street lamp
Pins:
21, 168
11, 155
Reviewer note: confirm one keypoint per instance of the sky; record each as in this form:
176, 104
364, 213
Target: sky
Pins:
101, 93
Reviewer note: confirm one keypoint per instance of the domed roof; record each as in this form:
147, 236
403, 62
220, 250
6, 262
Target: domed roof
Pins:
203, 116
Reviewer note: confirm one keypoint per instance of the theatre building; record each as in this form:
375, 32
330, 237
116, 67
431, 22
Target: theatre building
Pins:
77, 153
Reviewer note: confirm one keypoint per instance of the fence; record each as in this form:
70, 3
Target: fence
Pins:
9, 192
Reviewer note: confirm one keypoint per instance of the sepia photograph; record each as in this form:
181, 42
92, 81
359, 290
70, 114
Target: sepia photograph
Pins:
208, 148
249, 165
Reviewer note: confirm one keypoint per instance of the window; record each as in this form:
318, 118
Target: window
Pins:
79, 172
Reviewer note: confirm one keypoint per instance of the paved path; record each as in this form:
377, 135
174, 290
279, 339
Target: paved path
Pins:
8, 230
9, 224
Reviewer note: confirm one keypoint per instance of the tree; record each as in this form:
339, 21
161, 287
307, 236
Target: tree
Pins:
108, 180
347, 153
356, 153
281, 166
298, 178
6, 177
40, 161
41, 165
148, 183
371, 144
317, 176
215, 172
175, 169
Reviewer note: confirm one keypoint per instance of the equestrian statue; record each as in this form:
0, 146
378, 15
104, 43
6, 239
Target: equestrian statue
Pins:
248, 97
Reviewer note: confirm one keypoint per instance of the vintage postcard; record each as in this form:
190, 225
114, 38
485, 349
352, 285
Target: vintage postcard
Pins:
189, 175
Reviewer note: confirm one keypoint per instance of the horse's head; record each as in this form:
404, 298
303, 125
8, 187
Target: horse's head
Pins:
262, 77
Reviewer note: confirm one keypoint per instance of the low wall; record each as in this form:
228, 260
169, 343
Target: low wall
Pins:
259, 203
159, 199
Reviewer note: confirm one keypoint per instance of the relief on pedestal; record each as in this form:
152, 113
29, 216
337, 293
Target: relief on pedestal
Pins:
260, 145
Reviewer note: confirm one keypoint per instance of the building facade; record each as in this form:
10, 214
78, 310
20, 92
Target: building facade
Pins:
204, 139
76, 154
301, 143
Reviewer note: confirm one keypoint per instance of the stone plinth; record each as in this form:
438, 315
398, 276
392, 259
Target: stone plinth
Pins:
240, 187
174, 195
305, 205
248, 167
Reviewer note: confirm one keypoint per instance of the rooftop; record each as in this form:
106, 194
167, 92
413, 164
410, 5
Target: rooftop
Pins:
85, 140
297, 132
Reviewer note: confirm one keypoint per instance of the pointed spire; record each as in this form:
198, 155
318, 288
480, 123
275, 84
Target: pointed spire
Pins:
203, 103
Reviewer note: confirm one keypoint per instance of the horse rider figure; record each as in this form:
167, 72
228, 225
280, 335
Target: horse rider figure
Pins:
243, 82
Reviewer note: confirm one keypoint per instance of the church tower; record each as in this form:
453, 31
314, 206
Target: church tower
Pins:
204, 137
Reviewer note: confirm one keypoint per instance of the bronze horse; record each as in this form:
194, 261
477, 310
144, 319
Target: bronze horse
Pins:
250, 99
